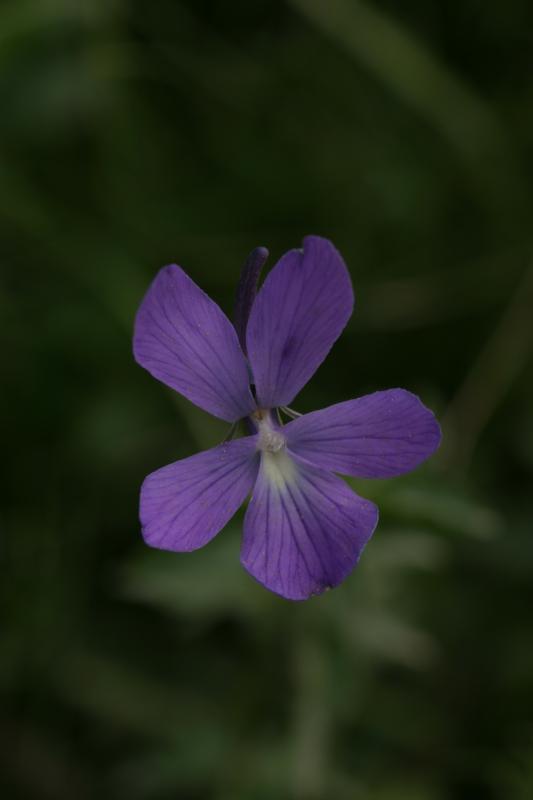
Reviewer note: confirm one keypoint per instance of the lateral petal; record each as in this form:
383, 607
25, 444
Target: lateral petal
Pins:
376, 436
185, 504
185, 340
300, 311
304, 529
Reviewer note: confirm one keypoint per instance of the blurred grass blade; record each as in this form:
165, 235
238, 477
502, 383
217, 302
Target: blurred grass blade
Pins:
395, 56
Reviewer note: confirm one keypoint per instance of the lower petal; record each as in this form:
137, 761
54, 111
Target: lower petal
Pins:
185, 504
304, 529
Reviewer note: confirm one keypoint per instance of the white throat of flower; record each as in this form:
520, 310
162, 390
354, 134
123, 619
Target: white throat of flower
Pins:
278, 467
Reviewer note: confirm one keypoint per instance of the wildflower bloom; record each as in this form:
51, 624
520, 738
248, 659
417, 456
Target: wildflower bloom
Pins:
304, 528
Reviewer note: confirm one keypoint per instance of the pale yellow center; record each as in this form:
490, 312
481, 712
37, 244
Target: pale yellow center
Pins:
278, 467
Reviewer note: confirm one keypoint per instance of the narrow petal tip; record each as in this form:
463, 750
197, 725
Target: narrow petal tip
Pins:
247, 290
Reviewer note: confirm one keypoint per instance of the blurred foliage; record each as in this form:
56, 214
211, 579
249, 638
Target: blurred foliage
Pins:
134, 134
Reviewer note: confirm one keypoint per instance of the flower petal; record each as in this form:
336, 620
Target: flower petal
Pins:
184, 339
247, 291
300, 310
304, 529
376, 436
185, 504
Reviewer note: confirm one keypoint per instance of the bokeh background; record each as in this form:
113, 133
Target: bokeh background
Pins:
134, 134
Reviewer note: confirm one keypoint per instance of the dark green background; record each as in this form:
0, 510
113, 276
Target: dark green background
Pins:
134, 134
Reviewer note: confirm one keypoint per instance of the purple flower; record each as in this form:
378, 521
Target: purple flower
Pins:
304, 528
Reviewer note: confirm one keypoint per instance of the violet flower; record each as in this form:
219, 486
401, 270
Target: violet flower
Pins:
304, 528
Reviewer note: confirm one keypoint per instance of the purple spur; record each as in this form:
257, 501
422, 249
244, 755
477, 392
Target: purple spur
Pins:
304, 528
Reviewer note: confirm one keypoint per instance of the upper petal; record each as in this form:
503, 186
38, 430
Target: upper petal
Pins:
304, 529
184, 339
185, 504
301, 309
376, 436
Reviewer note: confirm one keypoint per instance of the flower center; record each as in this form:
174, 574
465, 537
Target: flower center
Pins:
271, 439
278, 467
